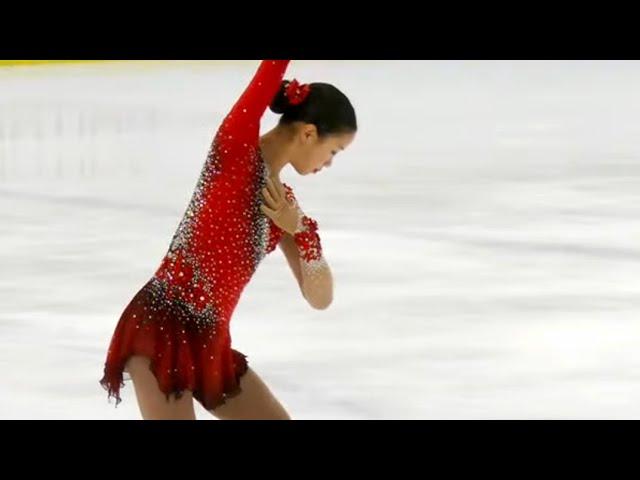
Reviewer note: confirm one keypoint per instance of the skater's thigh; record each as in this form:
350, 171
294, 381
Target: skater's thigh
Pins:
152, 401
254, 402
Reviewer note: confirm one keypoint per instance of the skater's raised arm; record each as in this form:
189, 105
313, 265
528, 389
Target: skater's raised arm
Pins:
244, 117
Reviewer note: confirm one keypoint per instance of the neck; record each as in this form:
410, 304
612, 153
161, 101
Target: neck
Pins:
275, 150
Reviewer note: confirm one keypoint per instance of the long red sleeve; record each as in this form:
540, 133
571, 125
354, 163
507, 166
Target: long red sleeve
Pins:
244, 117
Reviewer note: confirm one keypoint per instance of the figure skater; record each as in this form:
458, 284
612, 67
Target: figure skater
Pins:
173, 337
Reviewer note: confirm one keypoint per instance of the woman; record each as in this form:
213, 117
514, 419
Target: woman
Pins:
173, 337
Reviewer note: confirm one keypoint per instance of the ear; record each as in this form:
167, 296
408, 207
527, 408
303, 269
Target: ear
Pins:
309, 133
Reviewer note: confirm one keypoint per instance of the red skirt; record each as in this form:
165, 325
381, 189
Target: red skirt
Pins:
188, 350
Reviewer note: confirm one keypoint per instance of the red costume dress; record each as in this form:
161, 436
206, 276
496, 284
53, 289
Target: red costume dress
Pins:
180, 317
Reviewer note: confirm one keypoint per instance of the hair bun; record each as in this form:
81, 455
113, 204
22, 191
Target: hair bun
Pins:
280, 102
291, 94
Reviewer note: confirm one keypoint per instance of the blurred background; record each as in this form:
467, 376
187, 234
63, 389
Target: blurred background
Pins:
483, 231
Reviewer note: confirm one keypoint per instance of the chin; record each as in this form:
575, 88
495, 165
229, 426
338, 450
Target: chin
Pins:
300, 172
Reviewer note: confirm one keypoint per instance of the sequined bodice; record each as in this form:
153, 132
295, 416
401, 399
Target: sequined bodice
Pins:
223, 235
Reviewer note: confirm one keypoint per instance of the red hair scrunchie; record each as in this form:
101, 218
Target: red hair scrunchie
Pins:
296, 93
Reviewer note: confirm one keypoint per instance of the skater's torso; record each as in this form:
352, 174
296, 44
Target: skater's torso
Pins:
224, 235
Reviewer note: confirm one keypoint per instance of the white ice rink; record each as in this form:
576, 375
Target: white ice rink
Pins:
483, 231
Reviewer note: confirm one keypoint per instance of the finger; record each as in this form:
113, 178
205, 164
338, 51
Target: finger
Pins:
276, 194
273, 189
268, 211
269, 199
281, 189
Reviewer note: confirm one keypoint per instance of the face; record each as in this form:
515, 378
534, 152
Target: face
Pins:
313, 153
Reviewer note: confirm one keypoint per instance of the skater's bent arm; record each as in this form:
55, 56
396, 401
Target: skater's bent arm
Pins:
314, 279
317, 283
290, 251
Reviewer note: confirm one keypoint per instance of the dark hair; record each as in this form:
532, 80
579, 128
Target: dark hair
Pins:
326, 107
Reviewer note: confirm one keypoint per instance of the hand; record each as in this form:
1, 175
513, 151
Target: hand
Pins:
285, 213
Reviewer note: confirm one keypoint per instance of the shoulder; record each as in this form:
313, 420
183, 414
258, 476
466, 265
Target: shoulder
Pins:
228, 143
